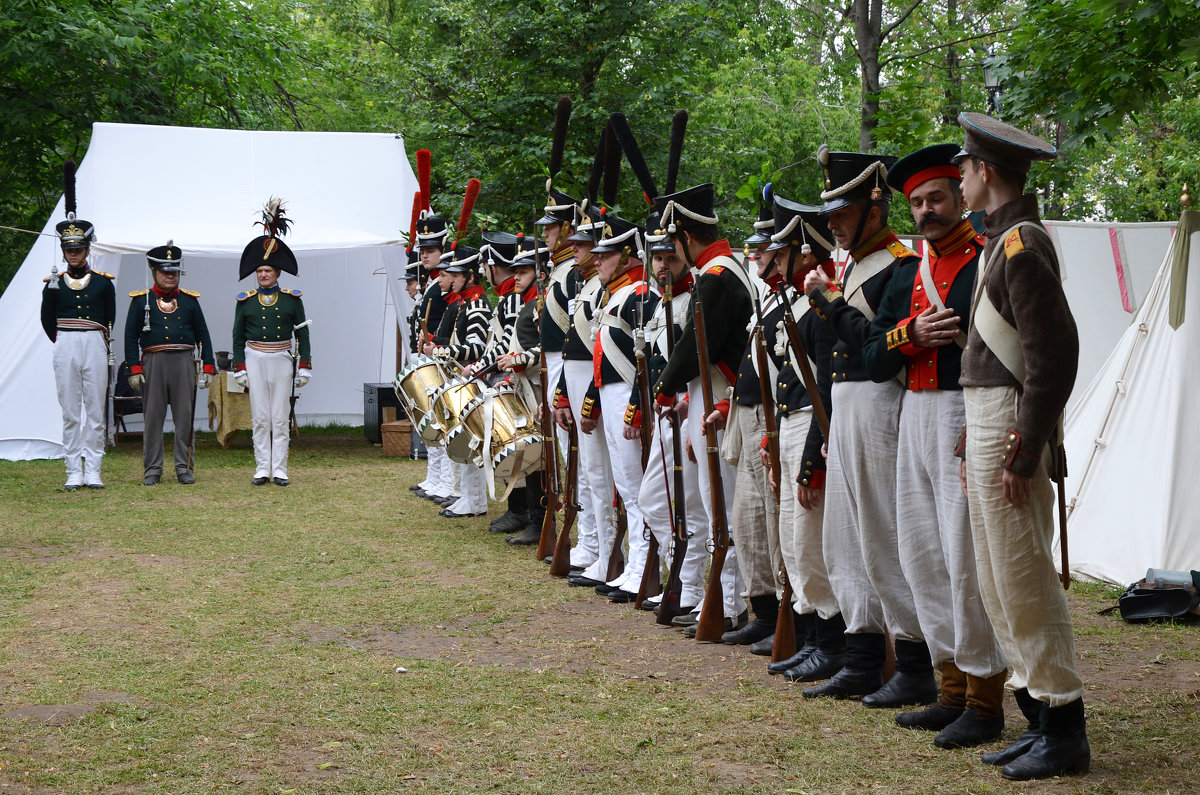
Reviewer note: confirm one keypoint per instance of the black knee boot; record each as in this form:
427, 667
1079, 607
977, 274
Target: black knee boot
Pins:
806, 643
828, 656
1031, 708
1062, 749
766, 615
913, 681
861, 669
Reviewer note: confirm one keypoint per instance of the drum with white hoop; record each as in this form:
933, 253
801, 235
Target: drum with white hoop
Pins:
461, 445
513, 430
417, 382
449, 400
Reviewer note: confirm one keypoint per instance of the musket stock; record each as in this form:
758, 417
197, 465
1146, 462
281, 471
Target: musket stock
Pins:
711, 624
560, 564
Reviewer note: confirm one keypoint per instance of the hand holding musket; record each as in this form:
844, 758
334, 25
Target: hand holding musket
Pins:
800, 356
651, 581
711, 625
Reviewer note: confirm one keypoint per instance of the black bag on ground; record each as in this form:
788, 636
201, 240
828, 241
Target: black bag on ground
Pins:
1144, 601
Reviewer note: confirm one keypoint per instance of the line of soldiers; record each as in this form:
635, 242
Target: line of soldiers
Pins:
861, 462
169, 352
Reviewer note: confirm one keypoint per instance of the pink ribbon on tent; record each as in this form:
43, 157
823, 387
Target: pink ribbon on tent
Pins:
1119, 261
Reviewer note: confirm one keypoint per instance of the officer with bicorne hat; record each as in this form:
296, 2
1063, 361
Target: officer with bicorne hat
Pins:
166, 324
79, 307
264, 323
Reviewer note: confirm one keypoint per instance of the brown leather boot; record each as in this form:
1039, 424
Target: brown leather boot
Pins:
983, 719
952, 699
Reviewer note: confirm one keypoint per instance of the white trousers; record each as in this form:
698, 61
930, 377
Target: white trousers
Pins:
731, 578
934, 532
1017, 579
859, 538
81, 376
595, 530
473, 489
655, 501
800, 530
625, 456
270, 375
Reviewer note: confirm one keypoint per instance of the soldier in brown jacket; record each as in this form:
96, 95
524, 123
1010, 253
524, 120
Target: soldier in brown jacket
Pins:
1017, 372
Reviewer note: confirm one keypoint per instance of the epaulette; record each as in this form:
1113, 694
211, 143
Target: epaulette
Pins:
47, 279
1013, 244
189, 292
138, 293
899, 250
108, 276
296, 293
715, 270
242, 296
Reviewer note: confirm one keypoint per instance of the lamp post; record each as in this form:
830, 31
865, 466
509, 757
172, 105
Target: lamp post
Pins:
991, 81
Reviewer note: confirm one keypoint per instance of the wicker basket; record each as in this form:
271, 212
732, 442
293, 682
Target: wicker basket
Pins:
397, 438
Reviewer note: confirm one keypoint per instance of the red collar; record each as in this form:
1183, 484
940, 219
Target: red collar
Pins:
452, 297
635, 274
530, 293
718, 249
684, 285
798, 278
955, 239
165, 296
773, 281
505, 287
473, 293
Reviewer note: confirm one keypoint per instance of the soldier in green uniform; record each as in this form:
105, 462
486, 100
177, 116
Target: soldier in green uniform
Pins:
167, 324
263, 325
79, 307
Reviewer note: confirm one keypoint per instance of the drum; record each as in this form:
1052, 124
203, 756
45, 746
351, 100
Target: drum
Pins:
430, 431
417, 382
513, 430
461, 445
448, 403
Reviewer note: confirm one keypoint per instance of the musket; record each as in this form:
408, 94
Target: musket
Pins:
669, 607
552, 486
785, 626
711, 624
800, 354
560, 564
651, 581
616, 557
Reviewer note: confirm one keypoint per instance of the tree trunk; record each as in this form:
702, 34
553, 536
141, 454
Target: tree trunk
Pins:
953, 94
868, 17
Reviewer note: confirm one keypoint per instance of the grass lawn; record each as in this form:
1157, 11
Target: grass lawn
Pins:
339, 636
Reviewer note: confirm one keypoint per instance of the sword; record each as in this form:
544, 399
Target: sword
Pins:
295, 364
110, 436
197, 364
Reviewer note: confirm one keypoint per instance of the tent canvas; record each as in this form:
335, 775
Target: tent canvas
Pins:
349, 194
1131, 435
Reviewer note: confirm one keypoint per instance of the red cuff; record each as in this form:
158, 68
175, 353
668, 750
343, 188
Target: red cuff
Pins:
561, 401
665, 400
633, 416
241, 366
208, 369
135, 369
723, 407
305, 364
764, 445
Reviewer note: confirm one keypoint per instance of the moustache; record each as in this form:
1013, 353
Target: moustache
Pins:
935, 218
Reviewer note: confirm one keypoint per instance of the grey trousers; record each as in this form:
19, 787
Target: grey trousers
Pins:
170, 379
859, 535
754, 523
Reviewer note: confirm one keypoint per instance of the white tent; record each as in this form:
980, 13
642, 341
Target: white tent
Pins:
349, 194
1107, 269
1130, 437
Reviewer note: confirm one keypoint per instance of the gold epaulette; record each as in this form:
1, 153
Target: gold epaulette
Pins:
47, 279
1013, 244
242, 296
296, 293
899, 250
138, 293
189, 292
105, 275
